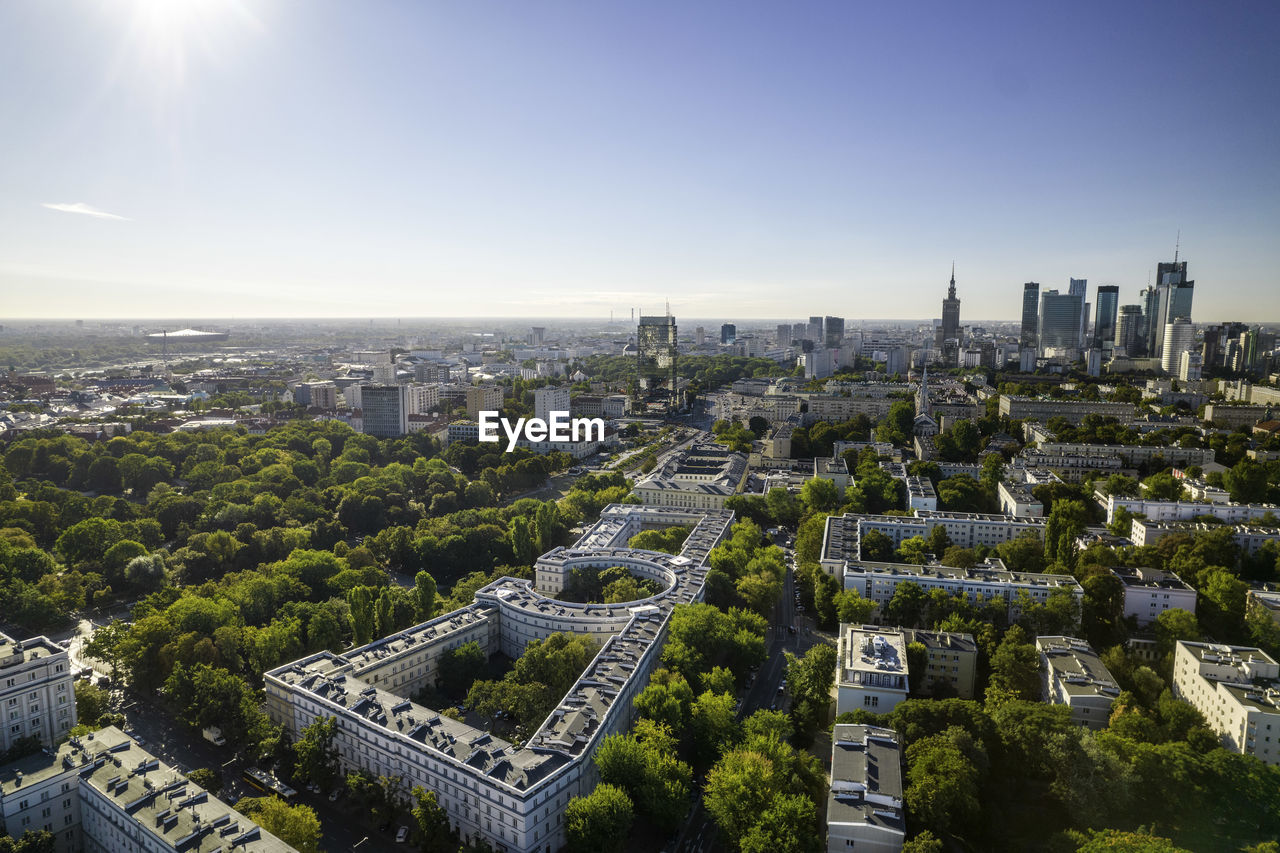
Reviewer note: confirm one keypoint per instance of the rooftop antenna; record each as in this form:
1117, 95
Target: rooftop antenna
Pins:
1176, 246
668, 307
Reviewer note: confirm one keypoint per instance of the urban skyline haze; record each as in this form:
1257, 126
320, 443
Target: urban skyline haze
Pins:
260, 159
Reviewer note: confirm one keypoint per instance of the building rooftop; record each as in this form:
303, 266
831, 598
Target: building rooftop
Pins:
14, 652
866, 777
1075, 665
153, 794
1147, 578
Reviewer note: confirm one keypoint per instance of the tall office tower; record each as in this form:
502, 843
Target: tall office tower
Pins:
1179, 335
832, 331
536, 335
700, 336
949, 330
814, 330
783, 335
1150, 302
799, 332
1059, 329
1104, 322
386, 410
656, 357
1079, 288
1128, 330
1030, 314
728, 333
1172, 300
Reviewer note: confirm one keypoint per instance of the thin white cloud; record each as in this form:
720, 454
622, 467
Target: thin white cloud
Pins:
81, 207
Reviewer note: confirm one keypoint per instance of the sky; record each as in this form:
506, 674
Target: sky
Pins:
260, 158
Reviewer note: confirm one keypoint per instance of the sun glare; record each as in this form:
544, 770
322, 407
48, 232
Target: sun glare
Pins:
166, 36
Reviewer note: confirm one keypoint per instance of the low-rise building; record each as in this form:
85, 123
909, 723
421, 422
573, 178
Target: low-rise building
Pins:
701, 477
1154, 510
1150, 592
952, 662
37, 698
832, 468
1073, 675
102, 793
871, 669
864, 808
920, 494
1250, 537
1016, 500
1237, 689
1073, 409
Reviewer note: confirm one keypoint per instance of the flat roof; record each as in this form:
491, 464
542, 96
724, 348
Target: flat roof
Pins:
866, 777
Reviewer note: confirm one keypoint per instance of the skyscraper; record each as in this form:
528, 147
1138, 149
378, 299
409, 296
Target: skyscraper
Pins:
1104, 322
728, 333
385, 409
1150, 302
656, 357
949, 330
1179, 334
1030, 314
1079, 288
1128, 330
1059, 329
1172, 300
832, 331
814, 330
783, 334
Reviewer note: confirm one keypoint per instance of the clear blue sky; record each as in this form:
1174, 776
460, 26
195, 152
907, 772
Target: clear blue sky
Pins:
743, 159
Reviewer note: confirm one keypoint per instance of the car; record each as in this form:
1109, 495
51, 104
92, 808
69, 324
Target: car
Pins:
402, 834
313, 788
334, 794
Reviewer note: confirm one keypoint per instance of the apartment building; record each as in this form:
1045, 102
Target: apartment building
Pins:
920, 494
1250, 537
842, 536
952, 662
1016, 500
1237, 688
1150, 592
871, 669
1072, 674
548, 400
512, 797
1073, 409
1156, 511
864, 807
36, 694
1132, 455
422, 398
483, 398
102, 793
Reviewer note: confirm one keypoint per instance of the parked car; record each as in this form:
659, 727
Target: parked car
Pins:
402, 834
334, 794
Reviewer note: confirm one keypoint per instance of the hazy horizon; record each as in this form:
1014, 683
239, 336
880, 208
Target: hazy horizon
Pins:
331, 160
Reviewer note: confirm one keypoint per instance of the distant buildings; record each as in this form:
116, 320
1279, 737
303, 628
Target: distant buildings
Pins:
1074, 410
385, 410
548, 400
1058, 333
1104, 321
36, 691
865, 809
728, 333
1237, 688
1073, 675
1030, 315
483, 398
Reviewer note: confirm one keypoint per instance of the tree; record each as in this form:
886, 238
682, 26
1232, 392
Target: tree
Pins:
296, 826
433, 822
644, 765
360, 599
897, 426
207, 778
877, 547
820, 495
907, 605
1247, 482
600, 821
943, 781
809, 678
91, 703
1015, 666
1119, 841
316, 754
29, 842
714, 723
1162, 487
459, 667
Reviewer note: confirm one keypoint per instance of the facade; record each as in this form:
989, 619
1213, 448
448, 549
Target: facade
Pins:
728, 333
1250, 537
102, 793
1016, 500
1132, 455
385, 410
702, 477
656, 357
864, 808
36, 691
512, 797
1156, 511
920, 494
952, 662
1179, 335
1150, 592
832, 331
422, 398
1237, 688
1128, 330
1034, 408
318, 395
1073, 675
548, 400
1030, 315
871, 669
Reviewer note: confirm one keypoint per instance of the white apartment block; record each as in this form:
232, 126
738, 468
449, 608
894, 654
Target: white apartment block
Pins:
920, 494
835, 409
1250, 537
422, 398
1237, 688
548, 400
952, 662
842, 537
701, 477
36, 695
512, 797
864, 808
1132, 455
1074, 409
102, 793
1016, 500
1184, 510
1072, 674
871, 669
1150, 592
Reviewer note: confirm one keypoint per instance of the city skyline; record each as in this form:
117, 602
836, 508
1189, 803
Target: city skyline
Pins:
207, 159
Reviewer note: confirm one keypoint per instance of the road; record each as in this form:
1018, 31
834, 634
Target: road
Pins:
699, 833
